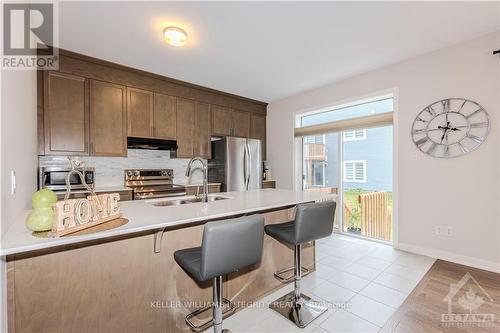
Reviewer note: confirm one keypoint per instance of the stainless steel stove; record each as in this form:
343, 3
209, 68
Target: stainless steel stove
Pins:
152, 183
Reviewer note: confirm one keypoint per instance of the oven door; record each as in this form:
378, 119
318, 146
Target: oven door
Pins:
141, 193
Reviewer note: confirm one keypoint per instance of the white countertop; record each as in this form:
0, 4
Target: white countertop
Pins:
143, 216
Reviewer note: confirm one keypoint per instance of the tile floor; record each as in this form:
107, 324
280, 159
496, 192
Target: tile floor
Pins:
363, 283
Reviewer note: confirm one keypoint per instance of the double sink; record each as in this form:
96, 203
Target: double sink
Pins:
185, 201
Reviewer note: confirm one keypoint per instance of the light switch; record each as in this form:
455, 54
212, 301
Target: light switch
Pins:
12, 182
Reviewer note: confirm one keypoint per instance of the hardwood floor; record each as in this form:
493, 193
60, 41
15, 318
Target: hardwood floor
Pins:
477, 293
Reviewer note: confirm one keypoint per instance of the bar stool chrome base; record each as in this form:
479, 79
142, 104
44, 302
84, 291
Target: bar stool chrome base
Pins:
283, 279
198, 328
300, 311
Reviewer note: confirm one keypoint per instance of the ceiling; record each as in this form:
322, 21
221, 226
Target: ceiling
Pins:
268, 51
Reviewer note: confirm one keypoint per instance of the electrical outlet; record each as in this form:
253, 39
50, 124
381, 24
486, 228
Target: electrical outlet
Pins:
448, 231
438, 230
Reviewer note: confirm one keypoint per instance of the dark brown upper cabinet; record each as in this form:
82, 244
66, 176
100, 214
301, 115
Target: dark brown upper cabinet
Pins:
65, 116
139, 112
90, 106
202, 131
222, 123
229, 122
165, 117
185, 127
258, 131
241, 123
108, 119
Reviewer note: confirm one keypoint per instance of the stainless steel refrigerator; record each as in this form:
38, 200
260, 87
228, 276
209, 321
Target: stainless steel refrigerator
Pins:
236, 163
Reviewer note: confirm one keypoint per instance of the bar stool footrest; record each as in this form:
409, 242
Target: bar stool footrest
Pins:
198, 328
285, 279
301, 312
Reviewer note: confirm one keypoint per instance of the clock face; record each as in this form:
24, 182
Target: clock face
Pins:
450, 127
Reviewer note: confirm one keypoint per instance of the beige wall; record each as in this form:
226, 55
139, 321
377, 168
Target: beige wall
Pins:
18, 151
462, 192
18, 141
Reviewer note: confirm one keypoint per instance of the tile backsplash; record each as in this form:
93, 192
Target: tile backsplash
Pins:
109, 170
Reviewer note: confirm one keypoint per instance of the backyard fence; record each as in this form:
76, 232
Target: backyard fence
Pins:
376, 219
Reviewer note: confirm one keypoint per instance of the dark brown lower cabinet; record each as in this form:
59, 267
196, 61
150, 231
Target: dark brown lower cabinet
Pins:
124, 286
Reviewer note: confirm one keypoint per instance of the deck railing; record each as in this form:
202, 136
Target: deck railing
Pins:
314, 151
376, 219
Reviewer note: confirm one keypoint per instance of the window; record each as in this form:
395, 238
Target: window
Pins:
355, 171
317, 139
318, 173
355, 135
352, 111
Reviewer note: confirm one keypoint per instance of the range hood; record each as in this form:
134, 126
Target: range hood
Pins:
150, 144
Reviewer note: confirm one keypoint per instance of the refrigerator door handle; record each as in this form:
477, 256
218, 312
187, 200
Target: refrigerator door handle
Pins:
245, 167
249, 168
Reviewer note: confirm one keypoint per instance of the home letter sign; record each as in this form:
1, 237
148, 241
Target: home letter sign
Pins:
77, 214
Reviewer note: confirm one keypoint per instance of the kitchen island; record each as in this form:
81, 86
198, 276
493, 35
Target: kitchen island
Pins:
125, 279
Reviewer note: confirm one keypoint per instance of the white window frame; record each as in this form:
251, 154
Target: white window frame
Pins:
315, 142
323, 167
354, 137
354, 171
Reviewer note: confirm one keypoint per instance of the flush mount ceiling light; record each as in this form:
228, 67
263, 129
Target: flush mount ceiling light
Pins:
175, 36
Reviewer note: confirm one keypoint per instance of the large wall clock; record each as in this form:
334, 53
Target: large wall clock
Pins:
450, 128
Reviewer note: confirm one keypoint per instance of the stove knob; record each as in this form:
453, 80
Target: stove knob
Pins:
137, 173
129, 173
170, 173
164, 172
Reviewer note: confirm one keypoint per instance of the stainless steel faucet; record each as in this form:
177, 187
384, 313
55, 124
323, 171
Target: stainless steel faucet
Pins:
205, 175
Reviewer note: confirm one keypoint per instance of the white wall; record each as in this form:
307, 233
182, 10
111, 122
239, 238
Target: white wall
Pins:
18, 151
462, 192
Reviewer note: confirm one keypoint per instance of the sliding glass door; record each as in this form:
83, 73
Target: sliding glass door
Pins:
357, 165
367, 182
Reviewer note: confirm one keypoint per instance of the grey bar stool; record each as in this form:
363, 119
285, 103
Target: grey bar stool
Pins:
227, 246
312, 221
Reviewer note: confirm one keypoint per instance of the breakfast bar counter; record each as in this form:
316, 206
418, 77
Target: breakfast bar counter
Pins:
125, 279
143, 215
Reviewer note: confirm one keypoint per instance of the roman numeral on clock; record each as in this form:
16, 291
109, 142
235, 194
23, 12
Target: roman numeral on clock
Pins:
431, 111
421, 142
462, 148
479, 125
475, 138
432, 148
473, 113
446, 105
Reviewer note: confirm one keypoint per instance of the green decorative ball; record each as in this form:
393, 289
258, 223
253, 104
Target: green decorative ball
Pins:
40, 219
42, 216
43, 199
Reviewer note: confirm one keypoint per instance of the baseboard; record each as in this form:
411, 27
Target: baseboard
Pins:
453, 257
